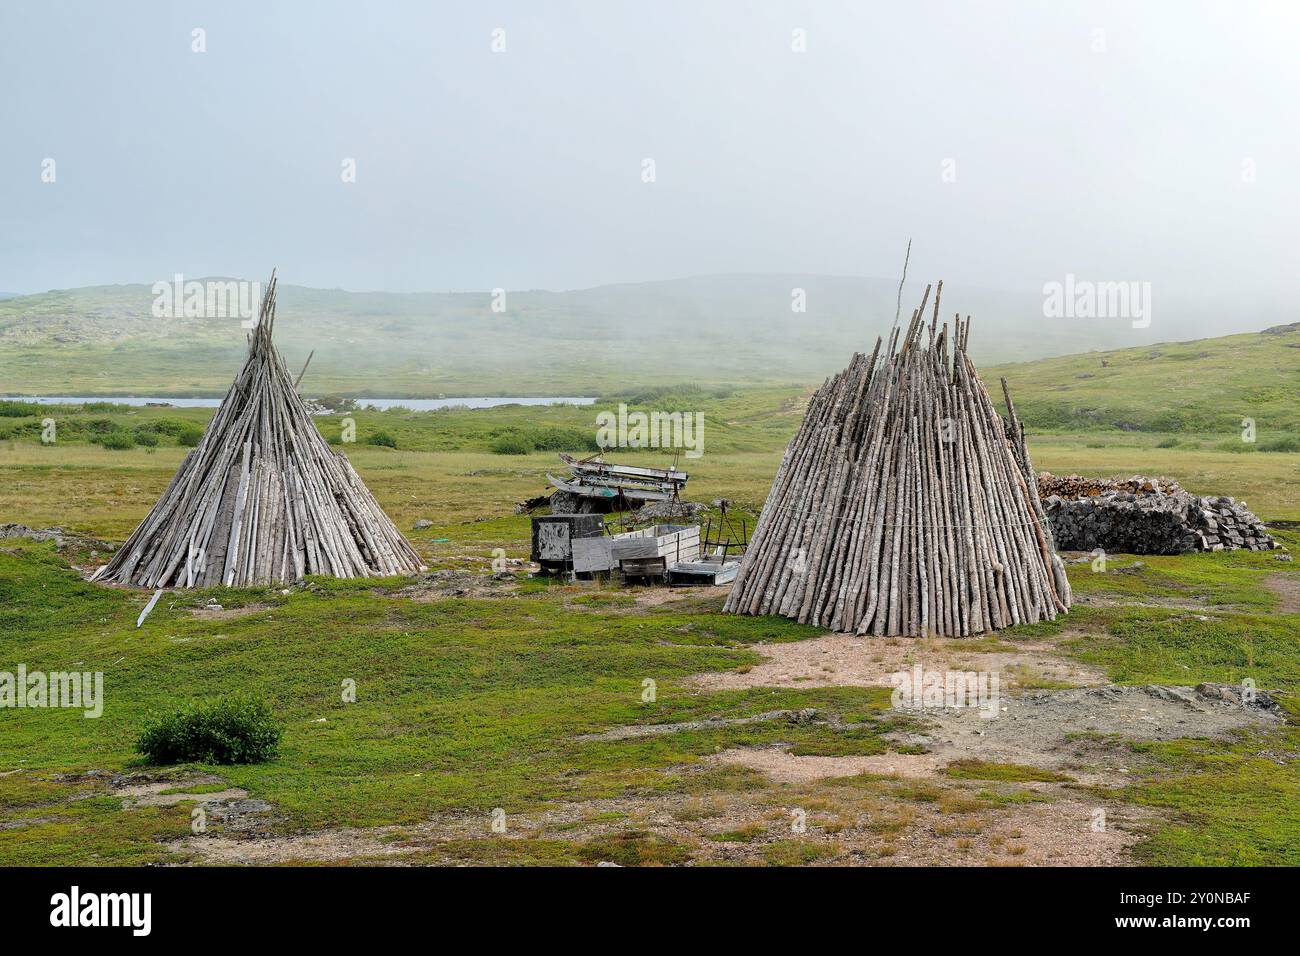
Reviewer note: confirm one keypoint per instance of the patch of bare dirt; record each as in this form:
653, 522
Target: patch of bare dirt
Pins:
1059, 833
1053, 730
846, 660
439, 585
1287, 589
219, 613
632, 731
842, 823
325, 846
163, 792
658, 596
779, 766
156, 799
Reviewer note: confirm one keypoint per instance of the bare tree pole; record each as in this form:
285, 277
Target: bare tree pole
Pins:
898, 309
298, 381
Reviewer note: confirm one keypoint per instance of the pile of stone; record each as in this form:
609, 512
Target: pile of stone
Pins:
1078, 486
1142, 515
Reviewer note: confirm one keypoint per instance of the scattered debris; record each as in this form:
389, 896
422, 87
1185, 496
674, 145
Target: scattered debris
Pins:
147, 608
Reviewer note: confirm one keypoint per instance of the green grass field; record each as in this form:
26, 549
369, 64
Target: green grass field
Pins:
470, 703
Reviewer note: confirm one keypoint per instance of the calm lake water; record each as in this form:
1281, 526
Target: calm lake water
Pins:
415, 404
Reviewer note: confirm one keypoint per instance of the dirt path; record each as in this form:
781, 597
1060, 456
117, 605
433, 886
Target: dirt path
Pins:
846, 660
1287, 588
1059, 731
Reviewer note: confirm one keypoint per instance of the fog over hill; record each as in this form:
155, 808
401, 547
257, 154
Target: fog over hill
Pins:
716, 329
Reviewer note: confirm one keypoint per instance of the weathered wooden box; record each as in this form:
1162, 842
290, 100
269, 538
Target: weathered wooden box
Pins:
648, 552
553, 537
702, 573
679, 542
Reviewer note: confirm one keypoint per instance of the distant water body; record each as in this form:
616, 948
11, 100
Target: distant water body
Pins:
414, 404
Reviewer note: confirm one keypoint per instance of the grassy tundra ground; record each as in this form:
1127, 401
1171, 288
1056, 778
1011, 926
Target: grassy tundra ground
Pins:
476, 694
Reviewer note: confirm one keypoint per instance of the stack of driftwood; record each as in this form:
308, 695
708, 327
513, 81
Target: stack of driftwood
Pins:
905, 505
263, 498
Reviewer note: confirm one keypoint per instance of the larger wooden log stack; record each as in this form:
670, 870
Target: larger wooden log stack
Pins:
263, 499
905, 504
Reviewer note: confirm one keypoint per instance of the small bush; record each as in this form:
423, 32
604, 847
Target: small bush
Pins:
146, 437
10, 409
512, 443
189, 436
233, 729
118, 440
1167, 443
555, 438
1288, 443
382, 438
521, 441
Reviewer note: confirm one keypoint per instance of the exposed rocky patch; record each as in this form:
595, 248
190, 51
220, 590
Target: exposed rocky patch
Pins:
1052, 730
437, 585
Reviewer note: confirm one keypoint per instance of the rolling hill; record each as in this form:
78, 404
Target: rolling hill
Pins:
1204, 387
724, 329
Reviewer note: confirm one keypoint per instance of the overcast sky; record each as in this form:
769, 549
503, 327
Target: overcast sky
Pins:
1152, 141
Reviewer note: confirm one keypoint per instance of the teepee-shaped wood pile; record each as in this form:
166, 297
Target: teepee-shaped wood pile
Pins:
905, 505
263, 498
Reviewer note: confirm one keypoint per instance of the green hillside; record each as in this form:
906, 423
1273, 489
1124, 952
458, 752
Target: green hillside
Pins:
715, 330
1199, 389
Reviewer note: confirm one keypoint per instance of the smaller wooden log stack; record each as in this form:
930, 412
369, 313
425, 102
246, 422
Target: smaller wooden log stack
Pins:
263, 499
905, 505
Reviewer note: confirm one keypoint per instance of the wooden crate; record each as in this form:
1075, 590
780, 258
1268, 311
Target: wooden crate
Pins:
672, 541
644, 567
553, 537
592, 554
702, 573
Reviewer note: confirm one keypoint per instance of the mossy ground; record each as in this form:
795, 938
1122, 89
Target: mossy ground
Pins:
469, 704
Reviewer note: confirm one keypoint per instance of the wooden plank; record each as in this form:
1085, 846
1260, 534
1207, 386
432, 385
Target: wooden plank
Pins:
592, 554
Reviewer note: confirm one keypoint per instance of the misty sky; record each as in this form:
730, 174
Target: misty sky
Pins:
523, 169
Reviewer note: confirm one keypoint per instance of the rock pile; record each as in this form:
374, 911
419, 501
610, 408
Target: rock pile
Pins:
1141, 515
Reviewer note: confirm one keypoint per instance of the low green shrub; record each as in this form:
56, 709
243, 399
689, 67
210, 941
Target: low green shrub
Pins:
118, 440
521, 441
190, 435
234, 729
512, 443
381, 438
12, 409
